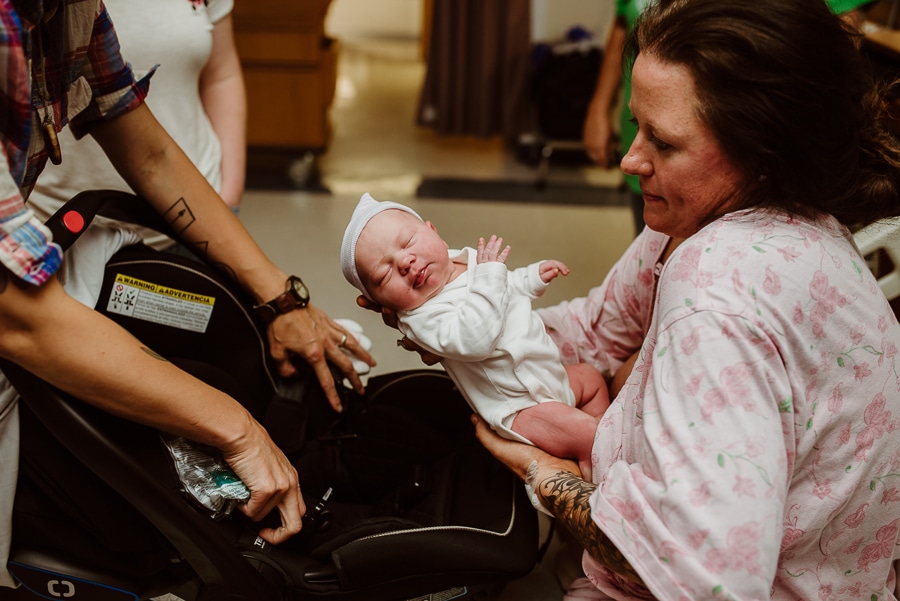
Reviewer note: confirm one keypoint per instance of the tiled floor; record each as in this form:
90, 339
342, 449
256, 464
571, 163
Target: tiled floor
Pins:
376, 148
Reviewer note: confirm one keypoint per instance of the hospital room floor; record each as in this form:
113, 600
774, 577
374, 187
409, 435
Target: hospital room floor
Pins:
375, 147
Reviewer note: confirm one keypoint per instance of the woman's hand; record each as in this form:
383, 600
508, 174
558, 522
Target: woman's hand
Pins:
561, 489
524, 460
599, 142
313, 336
272, 481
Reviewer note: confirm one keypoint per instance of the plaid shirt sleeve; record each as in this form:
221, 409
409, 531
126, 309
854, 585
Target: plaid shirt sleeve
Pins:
91, 60
114, 89
25, 247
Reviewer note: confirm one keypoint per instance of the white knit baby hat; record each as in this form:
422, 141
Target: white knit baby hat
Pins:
367, 208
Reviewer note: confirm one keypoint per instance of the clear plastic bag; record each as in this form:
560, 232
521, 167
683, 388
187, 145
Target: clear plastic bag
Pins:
206, 477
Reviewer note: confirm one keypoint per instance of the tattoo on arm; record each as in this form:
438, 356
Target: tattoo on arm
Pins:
225, 269
179, 216
568, 497
154, 354
201, 249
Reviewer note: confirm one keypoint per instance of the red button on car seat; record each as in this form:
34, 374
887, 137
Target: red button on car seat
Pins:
73, 221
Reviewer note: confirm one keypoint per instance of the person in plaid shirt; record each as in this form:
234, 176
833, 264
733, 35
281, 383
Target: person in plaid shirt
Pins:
61, 66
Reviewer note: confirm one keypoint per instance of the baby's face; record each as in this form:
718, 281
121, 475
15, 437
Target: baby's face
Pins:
401, 260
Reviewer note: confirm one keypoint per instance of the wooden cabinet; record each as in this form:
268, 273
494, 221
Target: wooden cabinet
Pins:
290, 68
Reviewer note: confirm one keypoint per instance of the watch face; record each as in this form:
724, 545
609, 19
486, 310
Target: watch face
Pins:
299, 288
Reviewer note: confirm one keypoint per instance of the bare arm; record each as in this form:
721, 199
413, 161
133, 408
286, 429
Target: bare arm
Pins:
597, 135
225, 102
157, 169
81, 352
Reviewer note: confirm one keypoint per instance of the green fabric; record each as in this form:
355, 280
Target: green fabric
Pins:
629, 10
843, 6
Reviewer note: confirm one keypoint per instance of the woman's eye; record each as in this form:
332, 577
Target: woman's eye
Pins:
659, 144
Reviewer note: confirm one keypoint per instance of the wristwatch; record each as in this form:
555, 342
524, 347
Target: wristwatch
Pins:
295, 297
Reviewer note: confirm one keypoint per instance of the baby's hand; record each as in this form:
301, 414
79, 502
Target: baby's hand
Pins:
550, 269
490, 251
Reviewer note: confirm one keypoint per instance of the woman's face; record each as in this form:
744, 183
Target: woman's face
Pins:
686, 179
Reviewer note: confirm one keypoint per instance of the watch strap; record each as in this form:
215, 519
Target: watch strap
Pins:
285, 302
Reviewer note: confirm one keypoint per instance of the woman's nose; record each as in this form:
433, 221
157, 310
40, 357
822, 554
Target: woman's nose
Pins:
634, 162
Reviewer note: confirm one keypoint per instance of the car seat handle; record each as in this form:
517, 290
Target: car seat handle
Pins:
73, 218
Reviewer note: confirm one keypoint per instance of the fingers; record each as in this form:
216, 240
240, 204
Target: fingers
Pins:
388, 316
272, 480
490, 250
427, 357
311, 335
350, 356
516, 456
365, 303
334, 353
326, 380
291, 509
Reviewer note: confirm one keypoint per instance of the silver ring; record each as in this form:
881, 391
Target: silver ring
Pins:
343, 341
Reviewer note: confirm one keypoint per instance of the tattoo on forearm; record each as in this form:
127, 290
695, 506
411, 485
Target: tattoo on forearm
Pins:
201, 249
179, 216
225, 269
153, 354
568, 497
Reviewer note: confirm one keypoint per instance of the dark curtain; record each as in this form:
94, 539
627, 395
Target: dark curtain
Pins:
478, 69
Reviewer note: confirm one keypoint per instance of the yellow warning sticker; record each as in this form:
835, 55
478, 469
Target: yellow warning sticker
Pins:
160, 304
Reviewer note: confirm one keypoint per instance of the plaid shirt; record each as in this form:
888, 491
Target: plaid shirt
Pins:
87, 82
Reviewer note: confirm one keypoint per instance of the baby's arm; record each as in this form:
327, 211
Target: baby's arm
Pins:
550, 269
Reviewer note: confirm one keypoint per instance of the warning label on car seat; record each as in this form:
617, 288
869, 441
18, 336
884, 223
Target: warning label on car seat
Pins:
160, 304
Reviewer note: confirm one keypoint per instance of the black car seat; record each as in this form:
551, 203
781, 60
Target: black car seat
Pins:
404, 503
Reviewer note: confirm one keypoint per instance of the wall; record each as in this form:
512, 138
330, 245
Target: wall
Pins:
551, 19
349, 19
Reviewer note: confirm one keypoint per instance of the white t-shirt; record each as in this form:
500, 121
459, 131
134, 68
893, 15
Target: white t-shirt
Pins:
177, 36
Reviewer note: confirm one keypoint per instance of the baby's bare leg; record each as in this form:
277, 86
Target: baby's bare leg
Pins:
591, 392
559, 429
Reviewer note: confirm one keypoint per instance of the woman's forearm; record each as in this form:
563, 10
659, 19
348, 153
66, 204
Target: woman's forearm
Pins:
158, 170
560, 487
83, 353
225, 103
567, 496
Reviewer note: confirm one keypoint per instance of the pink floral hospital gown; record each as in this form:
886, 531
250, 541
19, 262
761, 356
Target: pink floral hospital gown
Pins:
754, 451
